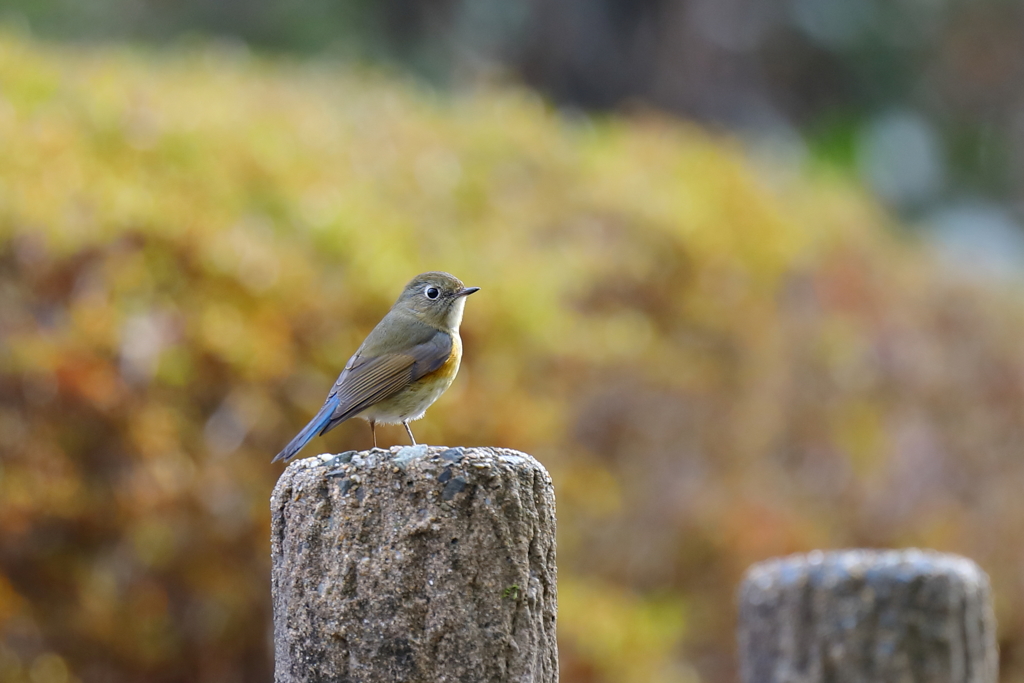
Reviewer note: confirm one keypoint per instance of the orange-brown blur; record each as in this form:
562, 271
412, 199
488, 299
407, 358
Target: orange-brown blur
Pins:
718, 361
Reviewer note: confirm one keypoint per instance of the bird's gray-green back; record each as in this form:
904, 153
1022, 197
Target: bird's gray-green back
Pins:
398, 351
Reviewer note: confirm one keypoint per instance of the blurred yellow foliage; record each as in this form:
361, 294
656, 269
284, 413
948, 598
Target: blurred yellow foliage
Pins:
718, 361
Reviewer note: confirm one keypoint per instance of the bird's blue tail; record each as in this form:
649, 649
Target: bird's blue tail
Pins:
309, 431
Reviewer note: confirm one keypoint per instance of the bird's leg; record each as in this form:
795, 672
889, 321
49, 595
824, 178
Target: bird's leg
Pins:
411, 437
373, 432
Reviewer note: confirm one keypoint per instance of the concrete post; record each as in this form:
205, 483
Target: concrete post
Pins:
861, 616
418, 564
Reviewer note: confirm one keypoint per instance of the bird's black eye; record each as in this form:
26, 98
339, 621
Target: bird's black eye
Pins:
432, 292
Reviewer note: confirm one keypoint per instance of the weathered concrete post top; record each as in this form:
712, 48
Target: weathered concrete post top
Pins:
415, 564
858, 615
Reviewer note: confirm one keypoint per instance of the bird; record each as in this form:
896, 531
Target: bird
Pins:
406, 362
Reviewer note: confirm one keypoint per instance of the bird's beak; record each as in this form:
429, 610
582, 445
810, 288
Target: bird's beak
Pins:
466, 291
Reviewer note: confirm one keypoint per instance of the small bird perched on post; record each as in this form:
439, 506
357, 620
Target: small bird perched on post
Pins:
406, 362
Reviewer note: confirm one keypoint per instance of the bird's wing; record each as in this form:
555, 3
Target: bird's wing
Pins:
368, 380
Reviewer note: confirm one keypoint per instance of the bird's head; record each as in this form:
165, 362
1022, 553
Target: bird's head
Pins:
436, 298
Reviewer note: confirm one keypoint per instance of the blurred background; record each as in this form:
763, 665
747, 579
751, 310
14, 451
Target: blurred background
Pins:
751, 285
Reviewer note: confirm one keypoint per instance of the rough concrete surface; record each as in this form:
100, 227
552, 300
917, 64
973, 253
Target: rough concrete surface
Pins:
417, 564
861, 616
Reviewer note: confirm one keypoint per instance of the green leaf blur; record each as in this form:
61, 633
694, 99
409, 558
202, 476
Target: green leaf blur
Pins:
718, 362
